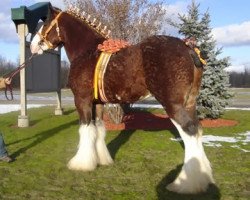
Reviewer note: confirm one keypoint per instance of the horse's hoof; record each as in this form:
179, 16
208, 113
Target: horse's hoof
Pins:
75, 164
185, 188
105, 161
103, 154
172, 187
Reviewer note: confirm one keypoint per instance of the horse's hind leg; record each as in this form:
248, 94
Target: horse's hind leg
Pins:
104, 157
196, 173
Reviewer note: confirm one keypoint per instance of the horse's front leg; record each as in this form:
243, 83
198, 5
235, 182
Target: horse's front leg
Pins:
86, 157
104, 157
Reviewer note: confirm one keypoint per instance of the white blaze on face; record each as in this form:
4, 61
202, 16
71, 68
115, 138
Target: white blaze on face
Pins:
35, 47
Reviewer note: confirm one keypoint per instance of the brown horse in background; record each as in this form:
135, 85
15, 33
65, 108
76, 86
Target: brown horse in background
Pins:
161, 65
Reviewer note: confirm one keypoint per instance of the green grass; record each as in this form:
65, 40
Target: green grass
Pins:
145, 162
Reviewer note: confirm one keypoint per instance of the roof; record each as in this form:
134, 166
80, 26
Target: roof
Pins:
30, 15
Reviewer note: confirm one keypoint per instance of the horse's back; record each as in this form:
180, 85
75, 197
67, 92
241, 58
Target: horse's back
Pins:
166, 54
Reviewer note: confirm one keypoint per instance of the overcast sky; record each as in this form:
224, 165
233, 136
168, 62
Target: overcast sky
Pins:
230, 21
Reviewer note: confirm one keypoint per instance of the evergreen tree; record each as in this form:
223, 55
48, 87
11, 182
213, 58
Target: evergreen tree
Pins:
214, 93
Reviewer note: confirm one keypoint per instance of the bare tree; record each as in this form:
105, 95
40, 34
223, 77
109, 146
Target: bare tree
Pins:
127, 19
240, 79
7, 67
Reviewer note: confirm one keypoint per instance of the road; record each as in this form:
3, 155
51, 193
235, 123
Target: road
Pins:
240, 100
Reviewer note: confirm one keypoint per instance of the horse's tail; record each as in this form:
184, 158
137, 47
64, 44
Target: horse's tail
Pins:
198, 57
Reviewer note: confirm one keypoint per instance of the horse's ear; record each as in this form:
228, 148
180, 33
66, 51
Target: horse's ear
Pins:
52, 12
49, 12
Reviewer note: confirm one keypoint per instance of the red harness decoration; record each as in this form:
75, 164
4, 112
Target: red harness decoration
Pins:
112, 45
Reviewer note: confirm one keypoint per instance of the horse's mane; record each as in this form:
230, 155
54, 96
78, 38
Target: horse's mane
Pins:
86, 19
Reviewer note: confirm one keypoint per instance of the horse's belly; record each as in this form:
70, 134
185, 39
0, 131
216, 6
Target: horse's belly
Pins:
123, 93
124, 79
125, 87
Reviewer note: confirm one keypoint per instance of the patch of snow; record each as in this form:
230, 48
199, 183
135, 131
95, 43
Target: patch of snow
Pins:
36, 98
215, 141
238, 147
16, 107
214, 138
142, 105
176, 139
210, 144
247, 135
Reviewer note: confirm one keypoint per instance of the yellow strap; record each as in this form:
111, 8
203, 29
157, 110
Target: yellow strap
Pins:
199, 55
99, 70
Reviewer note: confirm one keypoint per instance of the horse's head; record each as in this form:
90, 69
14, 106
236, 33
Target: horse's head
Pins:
48, 36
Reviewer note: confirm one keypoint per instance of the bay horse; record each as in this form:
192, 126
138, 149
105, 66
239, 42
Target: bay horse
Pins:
161, 65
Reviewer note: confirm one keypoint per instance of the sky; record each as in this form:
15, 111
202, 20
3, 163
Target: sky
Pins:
230, 23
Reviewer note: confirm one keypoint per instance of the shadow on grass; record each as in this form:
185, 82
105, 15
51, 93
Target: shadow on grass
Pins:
40, 137
69, 111
212, 193
119, 141
146, 121
136, 121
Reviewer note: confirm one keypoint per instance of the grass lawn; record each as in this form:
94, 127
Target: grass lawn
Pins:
145, 162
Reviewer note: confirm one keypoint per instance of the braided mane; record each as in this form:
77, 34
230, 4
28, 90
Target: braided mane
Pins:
86, 18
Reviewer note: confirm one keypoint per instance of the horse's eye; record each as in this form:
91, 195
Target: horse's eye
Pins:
40, 42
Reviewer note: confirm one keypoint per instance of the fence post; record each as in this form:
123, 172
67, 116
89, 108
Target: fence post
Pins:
23, 119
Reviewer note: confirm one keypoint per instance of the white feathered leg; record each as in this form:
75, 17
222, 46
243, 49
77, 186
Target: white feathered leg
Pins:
86, 156
196, 173
104, 157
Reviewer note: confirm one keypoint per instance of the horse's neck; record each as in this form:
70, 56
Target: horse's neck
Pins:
79, 39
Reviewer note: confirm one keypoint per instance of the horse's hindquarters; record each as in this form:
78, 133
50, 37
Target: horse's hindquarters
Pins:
168, 67
174, 80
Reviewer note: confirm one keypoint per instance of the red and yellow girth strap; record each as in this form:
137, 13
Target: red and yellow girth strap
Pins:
107, 48
99, 74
